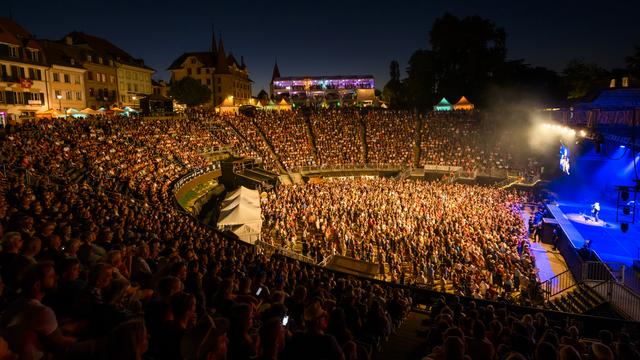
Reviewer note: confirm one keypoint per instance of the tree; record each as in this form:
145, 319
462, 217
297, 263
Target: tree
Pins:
262, 95
583, 79
394, 91
633, 63
466, 53
422, 82
190, 92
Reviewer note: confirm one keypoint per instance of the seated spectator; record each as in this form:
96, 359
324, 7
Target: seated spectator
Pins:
313, 343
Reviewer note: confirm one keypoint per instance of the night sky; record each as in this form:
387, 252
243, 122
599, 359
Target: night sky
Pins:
334, 37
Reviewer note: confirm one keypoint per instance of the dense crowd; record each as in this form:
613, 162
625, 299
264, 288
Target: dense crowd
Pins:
338, 137
391, 137
472, 237
95, 261
484, 332
288, 135
456, 140
88, 272
251, 133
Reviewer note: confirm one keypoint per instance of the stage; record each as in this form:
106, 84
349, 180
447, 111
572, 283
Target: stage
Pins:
607, 240
594, 178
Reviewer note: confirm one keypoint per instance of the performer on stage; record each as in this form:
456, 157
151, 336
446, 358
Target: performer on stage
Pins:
595, 210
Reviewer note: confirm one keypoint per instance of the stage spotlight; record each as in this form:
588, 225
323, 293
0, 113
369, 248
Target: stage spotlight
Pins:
583, 133
624, 227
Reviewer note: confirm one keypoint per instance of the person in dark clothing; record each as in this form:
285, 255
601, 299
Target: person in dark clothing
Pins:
313, 343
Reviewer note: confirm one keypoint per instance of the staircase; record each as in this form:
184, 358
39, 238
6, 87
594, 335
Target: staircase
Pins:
285, 179
296, 178
312, 139
272, 150
363, 140
580, 299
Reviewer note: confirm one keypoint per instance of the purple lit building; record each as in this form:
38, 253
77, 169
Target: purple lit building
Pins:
328, 90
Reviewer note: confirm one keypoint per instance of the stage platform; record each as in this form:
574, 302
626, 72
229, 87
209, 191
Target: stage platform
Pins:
607, 240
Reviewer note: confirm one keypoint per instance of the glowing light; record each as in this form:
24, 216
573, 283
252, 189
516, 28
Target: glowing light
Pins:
583, 133
622, 146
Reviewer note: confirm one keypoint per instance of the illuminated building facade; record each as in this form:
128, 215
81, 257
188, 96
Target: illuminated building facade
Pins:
336, 90
220, 72
22, 73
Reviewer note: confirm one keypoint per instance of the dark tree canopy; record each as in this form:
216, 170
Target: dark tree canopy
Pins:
583, 79
190, 92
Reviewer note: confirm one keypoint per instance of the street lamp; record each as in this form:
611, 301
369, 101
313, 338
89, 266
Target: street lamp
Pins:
134, 101
59, 96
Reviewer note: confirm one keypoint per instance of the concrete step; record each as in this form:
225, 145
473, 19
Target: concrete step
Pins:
285, 179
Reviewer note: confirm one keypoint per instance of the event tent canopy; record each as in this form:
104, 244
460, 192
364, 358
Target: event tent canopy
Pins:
443, 105
241, 213
463, 104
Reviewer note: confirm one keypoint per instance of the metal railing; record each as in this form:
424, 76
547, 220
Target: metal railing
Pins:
350, 167
271, 249
558, 284
621, 297
178, 184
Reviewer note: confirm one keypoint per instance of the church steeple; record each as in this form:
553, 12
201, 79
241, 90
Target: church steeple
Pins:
276, 71
221, 64
214, 48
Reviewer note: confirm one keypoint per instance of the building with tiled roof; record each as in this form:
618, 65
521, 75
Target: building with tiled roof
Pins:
219, 71
66, 77
22, 73
114, 77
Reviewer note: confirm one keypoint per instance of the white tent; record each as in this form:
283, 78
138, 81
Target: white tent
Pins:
243, 192
241, 213
239, 201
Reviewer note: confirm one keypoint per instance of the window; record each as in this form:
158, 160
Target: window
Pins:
128, 87
13, 51
198, 71
90, 92
33, 55
135, 87
110, 62
89, 75
68, 95
189, 71
67, 78
208, 81
38, 74
99, 60
104, 77
219, 80
89, 58
78, 95
56, 77
112, 79
193, 61
72, 61
206, 71
58, 93
76, 79
219, 89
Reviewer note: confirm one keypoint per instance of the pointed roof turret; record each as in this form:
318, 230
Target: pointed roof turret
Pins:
221, 64
276, 71
214, 48
242, 64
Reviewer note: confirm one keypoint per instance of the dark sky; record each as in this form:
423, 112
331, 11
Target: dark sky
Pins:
335, 37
